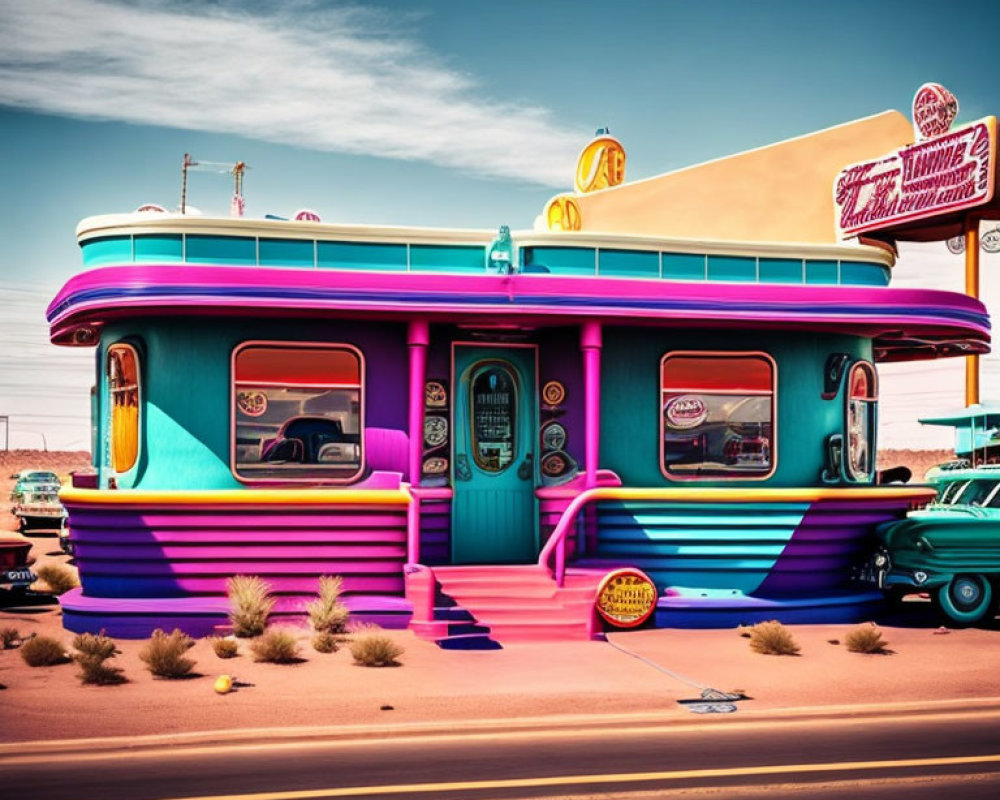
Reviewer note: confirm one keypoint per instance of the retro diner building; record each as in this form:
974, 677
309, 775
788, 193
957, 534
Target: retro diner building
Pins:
672, 379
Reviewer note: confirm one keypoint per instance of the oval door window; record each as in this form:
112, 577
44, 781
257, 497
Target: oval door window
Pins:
493, 399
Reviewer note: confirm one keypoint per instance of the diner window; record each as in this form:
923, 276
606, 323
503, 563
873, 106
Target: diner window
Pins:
493, 412
122, 371
717, 415
862, 402
297, 413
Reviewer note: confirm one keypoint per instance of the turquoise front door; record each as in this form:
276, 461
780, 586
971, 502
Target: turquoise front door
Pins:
493, 518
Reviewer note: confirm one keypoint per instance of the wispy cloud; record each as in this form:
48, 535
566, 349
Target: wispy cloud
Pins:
341, 79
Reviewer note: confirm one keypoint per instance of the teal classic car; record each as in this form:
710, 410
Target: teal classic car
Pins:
950, 549
35, 500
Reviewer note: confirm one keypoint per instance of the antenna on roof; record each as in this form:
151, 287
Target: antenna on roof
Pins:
237, 170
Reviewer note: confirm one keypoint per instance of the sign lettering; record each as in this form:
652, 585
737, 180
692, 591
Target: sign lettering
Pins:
951, 172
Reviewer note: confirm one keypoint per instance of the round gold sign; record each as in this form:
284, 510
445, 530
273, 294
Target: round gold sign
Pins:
553, 393
562, 214
626, 598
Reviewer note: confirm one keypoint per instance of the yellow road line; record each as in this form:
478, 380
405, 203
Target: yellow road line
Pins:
625, 777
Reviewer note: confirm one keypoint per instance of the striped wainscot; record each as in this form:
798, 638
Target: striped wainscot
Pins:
151, 559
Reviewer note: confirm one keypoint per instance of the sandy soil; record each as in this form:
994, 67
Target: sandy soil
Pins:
520, 681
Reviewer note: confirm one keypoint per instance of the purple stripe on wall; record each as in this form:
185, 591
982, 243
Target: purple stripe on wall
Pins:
832, 537
435, 532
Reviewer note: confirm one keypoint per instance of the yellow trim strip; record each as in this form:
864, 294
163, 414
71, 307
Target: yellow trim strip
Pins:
624, 777
240, 497
336, 496
762, 495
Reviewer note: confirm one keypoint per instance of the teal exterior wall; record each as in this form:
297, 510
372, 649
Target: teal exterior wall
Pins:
185, 390
630, 399
144, 248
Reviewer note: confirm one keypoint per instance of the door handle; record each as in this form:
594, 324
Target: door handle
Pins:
527, 469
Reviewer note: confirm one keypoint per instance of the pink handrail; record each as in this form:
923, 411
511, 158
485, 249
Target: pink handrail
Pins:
557, 541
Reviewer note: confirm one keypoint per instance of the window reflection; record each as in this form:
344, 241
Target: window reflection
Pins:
861, 405
123, 388
717, 415
297, 413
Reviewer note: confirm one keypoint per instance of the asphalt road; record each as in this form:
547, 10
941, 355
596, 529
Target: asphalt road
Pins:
936, 755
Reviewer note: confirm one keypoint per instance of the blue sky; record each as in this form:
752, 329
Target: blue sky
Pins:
444, 113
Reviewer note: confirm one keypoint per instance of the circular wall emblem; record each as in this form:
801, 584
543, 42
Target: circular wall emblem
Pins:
435, 465
685, 411
435, 395
626, 598
553, 393
956, 244
251, 404
553, 436
553, 465
934, 109
435, 431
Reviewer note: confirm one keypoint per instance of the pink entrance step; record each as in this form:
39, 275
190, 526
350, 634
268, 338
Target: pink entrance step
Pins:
499, 604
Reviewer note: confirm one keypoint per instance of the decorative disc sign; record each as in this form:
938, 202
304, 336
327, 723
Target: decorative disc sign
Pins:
553, 393
435, 395
435, 431
685, 411
252, 404
626, 598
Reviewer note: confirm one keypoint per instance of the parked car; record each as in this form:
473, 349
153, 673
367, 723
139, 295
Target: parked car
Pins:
15, 572
35, 499
951, 549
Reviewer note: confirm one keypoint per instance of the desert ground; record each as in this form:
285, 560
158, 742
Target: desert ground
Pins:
924, 663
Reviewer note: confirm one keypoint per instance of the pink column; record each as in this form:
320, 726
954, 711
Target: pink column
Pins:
418, 337
590, 343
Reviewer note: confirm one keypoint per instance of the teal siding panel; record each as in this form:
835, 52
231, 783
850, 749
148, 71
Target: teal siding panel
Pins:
855, 274
822, 272
286, 253
684, 267
159, 248
107, 250
781, 270
361, 256
629, 264
715, 546
447, 258
732, 268
560, 260
235, 250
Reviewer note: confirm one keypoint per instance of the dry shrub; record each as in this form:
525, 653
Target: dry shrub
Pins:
94, 672
276, 647
99, 646
164, 654
9, 638
325, 642
59, 578
866, 639
225, 648
91, 653
43, 651
372, 648
772, 639
250, 604
327, 613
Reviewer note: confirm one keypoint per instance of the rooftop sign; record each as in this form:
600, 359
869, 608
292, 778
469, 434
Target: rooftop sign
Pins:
945, 171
